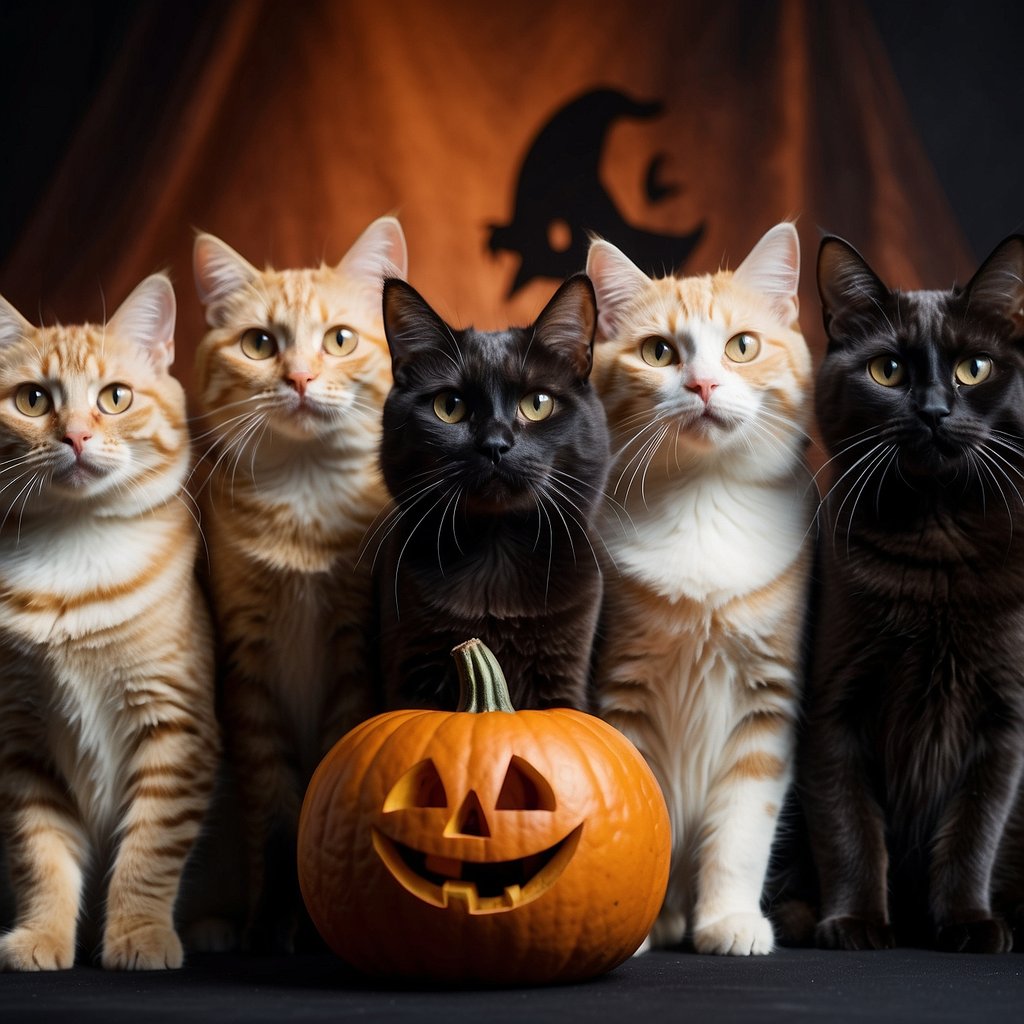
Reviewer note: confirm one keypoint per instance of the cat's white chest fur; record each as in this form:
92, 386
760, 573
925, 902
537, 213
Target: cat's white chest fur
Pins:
712, 540
66, 582
61, 560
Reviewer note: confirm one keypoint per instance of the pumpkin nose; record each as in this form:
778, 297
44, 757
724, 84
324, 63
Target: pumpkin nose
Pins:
469, 819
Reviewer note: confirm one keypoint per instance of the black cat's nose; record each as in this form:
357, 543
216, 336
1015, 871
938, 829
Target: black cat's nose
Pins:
934, 407
494, 441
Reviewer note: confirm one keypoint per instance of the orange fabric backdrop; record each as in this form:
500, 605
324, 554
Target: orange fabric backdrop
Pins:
292, 125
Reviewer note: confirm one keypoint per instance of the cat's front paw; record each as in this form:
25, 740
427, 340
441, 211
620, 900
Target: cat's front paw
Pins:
26, 949
735, 935
850, 932
669, 930
211, 935
146, 947
985, 935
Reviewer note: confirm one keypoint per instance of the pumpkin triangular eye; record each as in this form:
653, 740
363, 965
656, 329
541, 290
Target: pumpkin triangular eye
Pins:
525, 789
420, 786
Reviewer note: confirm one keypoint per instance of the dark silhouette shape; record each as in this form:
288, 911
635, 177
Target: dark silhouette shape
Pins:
560, 199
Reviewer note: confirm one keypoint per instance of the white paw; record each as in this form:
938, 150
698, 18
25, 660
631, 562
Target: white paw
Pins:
735, 935
28, 950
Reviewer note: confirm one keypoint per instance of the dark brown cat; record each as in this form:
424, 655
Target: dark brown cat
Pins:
913, 749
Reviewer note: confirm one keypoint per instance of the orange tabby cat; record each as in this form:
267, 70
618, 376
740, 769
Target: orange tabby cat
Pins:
705, 381
292, 377
108, 739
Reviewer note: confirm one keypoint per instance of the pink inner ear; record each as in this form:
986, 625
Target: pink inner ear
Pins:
147, 317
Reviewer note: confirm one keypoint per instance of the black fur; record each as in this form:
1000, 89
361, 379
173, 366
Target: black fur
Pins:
492, 535
913, 747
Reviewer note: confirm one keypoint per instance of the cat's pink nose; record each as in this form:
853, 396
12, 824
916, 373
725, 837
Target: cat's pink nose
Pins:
702, 387
77, 439
301, 379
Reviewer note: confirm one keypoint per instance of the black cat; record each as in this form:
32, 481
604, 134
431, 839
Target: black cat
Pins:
495, 449
913, 748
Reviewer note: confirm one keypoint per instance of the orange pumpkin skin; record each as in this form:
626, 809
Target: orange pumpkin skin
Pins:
549, 823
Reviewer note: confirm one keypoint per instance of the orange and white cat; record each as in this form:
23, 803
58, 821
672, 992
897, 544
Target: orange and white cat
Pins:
706, 384
292, 377
108, 737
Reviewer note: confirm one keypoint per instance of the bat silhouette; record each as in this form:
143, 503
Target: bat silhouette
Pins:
560, 199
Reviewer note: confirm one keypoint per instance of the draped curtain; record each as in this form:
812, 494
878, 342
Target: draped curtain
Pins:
679, 130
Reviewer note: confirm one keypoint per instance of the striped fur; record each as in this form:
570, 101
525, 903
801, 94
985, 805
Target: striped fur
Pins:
706, 524
289, 483
108, 739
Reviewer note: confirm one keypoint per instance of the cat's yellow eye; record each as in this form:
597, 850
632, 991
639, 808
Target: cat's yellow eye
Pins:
32, 400
258, 344
973, 370
340, 341
887, 371
114, 398
658, 352
537, 406
449, 407
742, 348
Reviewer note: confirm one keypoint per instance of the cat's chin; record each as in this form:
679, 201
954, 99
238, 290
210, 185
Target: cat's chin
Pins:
79, 480
937, 462
499, 500
303, 423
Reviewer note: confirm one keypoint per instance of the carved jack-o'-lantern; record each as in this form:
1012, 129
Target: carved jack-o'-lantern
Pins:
485, 844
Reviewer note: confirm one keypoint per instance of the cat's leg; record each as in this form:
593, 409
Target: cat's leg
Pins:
270, 799
1008, 879
46, 852
670, 926
170, 780
847, 832
738, 831
965, 847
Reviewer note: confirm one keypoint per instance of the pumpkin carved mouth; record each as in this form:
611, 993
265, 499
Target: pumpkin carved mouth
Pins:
481, 887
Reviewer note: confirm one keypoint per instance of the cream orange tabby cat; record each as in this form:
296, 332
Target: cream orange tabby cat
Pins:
705, 381
292, 377
108, 738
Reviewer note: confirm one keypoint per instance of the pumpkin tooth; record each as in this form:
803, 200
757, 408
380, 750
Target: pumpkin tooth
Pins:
513, 895
460, 892
447, 867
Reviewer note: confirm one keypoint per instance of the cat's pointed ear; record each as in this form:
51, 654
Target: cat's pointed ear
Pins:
999, 282
378, 253
219, 272
616, 279
12, 324
410, 324
567, 324
772, 268
147, 318
846, 283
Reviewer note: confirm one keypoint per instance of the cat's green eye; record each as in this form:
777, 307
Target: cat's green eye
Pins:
742, 348
658, 352
973, 370
340, 341
32, 400
537, 406
887, 371
449, 407
258, 344
114, 398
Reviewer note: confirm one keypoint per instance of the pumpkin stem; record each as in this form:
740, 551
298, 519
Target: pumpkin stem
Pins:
482, 685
